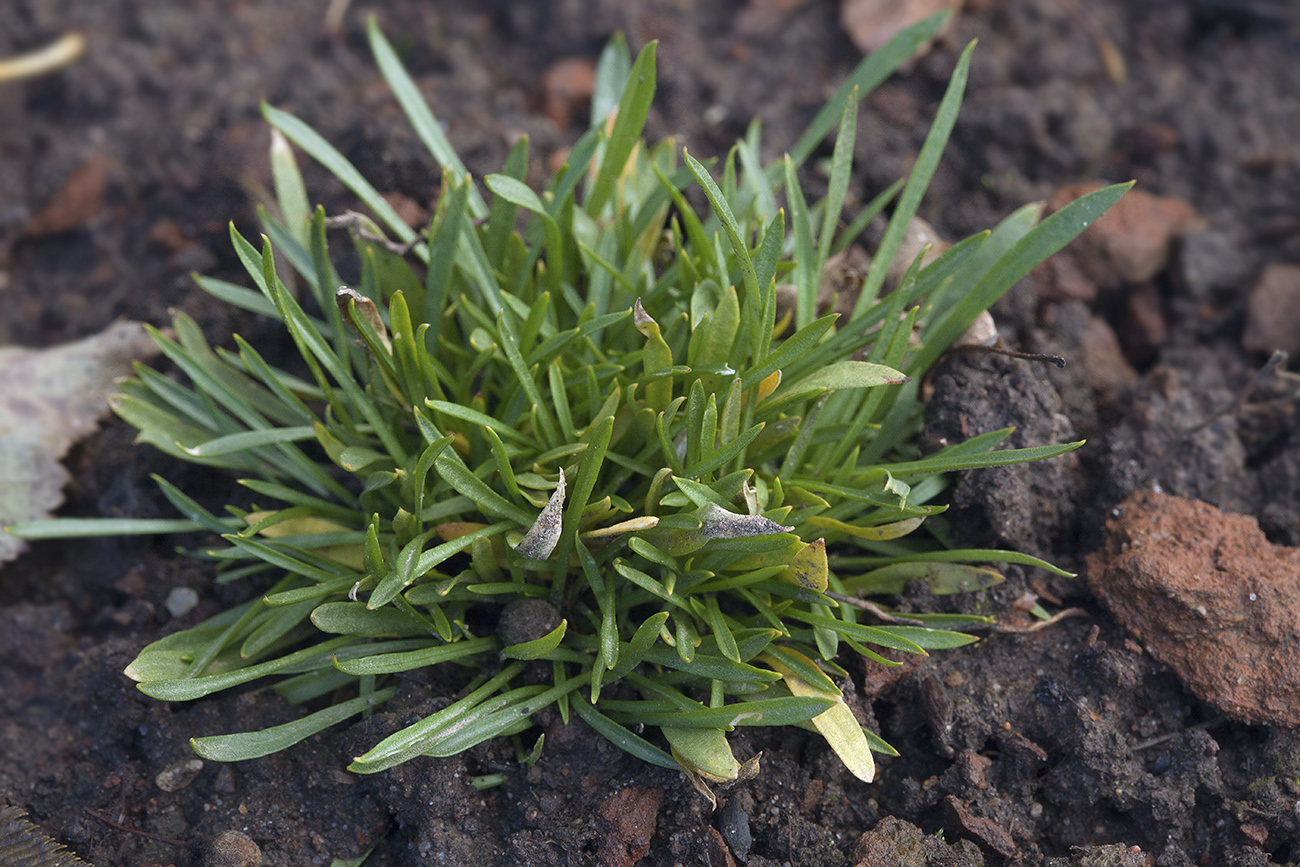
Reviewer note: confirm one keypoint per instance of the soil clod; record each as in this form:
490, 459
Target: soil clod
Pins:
1209, 596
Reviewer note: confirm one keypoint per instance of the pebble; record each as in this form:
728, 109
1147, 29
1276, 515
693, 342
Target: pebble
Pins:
178, 775
1273, 311
733, 823
1210, 262
181, 601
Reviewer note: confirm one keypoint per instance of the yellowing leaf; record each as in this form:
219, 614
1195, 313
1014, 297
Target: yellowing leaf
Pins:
878, 533
769, 384
837, 724
305, 526
808, 568
352, 556
631, 525
450, 531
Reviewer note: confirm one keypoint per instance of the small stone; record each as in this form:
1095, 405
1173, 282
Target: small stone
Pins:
982, 332
872, 23
232, 849
1145, 329
567, 85
78, 201
132, 584
178, 775
974, 769
527, 620
1210, 262
918, 237
1154, 137
1107, 371
733, 826
181, 601
225, 781
1273, 311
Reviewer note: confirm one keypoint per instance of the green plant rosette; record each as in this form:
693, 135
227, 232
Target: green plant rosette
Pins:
571, 442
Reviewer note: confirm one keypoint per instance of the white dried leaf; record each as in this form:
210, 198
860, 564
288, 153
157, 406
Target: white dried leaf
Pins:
544, 535
49, 399
718, 523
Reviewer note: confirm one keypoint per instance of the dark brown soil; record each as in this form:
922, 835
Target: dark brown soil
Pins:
1067, 745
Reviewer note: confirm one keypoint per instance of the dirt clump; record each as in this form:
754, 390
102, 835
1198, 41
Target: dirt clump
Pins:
632, 815
1273, 313
1209, 596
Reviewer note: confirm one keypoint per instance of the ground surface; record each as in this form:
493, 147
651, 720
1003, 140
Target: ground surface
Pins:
1023, 749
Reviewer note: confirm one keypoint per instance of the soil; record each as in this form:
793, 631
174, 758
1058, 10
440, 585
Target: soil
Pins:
1071, 744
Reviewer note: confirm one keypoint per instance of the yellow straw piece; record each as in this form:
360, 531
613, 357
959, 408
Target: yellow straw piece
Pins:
58, 54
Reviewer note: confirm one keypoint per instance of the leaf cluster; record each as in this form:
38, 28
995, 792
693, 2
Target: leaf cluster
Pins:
581, 411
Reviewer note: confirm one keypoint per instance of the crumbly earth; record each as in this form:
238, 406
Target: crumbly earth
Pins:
1069, 745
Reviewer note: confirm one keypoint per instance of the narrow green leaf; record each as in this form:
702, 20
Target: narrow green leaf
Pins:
848, 374
723, 210
417, 111
251, 439
722, 634
933, 639
81, 528
838, 184
789, 350
538, 647
940, 463
612, 71
409, 660
620, 737
1040, 242
290, 193
875, 68
409, 742
917, 182
633, 108
255, 744
328, 156
631, 654
185, 689
763, 712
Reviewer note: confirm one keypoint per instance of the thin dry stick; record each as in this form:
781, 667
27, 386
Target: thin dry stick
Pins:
357, 222
874, 610
1040, 625
161, 839
999, 349
1275, 364
887, 617
1160, 739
